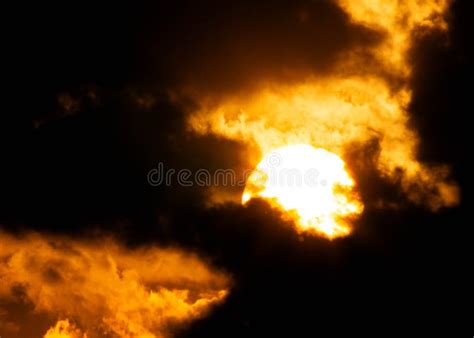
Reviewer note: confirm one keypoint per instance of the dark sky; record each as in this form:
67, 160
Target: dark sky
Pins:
77, 139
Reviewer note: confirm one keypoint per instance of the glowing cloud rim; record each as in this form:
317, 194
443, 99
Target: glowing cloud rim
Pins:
359, 103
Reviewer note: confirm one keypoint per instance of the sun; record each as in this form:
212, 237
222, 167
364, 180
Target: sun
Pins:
311, 185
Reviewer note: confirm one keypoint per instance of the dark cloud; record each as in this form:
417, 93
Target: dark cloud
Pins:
441, 62
218, 46
90, 115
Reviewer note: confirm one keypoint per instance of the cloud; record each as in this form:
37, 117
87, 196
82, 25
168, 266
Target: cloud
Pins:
106, 288
355, 102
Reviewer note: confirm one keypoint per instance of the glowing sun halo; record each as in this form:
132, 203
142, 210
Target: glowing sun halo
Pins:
312, 185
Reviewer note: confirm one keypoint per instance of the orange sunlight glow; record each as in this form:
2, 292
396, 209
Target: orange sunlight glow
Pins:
313, 183
64, 329
364, 100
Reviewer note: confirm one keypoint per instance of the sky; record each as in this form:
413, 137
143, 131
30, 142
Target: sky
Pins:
99, 95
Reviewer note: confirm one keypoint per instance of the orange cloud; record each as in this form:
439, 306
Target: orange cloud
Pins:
366, 98
106, 288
